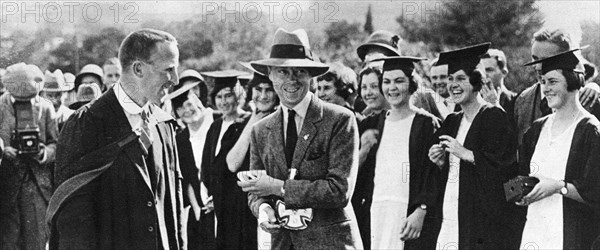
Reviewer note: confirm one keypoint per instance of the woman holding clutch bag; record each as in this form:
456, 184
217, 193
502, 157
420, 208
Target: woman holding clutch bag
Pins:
477, 154
396, 187
563, 151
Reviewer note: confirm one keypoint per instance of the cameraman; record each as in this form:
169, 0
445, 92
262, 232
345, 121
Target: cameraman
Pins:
29, 132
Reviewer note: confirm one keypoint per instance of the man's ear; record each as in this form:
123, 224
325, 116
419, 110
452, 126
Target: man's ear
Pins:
137, 69
504, 71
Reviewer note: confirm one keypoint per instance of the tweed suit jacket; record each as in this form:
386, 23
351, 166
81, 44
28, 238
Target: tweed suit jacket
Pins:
326, 159
527, 109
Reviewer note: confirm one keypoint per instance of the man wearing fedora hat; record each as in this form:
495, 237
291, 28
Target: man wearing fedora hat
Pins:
55, 90
26, 176
309, 150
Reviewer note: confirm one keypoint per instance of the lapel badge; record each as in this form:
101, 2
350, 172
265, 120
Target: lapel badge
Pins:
305, 137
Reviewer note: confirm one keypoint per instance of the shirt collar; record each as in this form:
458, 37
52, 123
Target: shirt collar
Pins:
32, 100
300, 108
125, 101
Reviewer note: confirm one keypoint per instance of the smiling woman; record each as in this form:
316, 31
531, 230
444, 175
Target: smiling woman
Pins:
476, 152
565, 146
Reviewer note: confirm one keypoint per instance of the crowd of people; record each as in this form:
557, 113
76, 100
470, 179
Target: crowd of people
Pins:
138, 155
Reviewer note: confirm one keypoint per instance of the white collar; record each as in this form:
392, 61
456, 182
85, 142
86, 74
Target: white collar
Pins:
32, 100
125, 101
300, 108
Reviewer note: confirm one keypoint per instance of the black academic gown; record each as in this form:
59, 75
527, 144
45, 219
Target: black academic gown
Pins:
581, 221
201, 233
236, 226
422, 180
486, 220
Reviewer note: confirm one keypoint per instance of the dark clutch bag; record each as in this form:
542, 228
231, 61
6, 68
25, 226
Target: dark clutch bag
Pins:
520, 186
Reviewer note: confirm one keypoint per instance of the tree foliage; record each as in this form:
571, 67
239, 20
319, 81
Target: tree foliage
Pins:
369, 22
509, 25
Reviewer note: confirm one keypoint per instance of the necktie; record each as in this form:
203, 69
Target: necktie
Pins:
145, 137
291, 138
544, 107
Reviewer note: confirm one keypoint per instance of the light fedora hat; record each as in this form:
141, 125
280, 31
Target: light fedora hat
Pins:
291, 49
55, 82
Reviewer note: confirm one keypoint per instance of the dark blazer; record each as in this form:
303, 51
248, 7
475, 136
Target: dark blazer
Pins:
326, 157
581, 221
423, 180
486, 220
124, 208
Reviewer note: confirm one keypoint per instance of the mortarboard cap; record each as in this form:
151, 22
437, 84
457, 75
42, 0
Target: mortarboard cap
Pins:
404, 63
223, 79
566, 60
465, 58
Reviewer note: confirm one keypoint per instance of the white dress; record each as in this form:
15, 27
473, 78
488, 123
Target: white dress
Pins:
391, 190
544, 226
448, 237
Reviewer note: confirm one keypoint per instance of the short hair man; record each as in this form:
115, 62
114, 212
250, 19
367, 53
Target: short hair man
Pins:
496, 69
531, 104
112, 72
309, 150
136, 202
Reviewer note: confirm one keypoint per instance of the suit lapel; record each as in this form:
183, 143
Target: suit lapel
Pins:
133, 151
276, 143
308, 132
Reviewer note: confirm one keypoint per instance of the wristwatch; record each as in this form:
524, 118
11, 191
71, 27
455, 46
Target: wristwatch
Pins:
423, 206
564, 189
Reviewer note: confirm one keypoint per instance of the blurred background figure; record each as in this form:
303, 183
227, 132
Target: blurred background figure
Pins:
55, 90
380, 44
2, 89
369, 79
90, 74
29, 130
196, 119
71, 94
85, 94
439, 83
496, 69
112, 72
338, 86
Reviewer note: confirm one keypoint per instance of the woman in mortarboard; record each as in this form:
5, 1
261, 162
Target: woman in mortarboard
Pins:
563, 151
396, 185
230, 202
476, 154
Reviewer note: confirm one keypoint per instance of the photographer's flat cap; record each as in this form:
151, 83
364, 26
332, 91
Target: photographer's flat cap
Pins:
464, 58
55, 82
566, 61
23, 80
291, 49
381, 39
